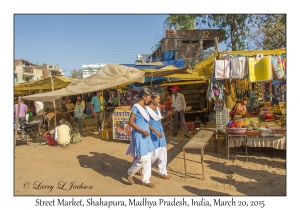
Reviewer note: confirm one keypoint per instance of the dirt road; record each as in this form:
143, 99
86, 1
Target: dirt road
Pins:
98, 167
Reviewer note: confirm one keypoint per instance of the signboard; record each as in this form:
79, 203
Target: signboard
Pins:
121, 127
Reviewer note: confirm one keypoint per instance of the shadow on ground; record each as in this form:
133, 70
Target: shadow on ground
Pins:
106, 165
201, 192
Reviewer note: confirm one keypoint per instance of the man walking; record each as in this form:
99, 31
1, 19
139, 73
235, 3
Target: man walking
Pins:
179, 106
97, 105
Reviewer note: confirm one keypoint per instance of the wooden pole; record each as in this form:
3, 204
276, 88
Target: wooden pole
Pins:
54, 106
118, 92
17, 119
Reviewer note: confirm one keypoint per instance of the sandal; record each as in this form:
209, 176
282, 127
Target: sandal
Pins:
148, 184
164, 176
130, 179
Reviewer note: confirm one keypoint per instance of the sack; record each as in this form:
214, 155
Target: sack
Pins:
75, 138
222, 68
219, 105
260, 70
238, 68
277, 66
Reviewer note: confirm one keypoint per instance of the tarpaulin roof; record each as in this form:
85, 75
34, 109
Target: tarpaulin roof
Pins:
158, 65
44, 84
111, 75
189, 75
205, 67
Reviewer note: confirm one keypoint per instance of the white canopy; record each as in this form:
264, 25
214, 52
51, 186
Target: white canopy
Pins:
111, 75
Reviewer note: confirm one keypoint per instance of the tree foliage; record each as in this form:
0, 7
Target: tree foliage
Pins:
270, 33
235, 25
182, 22
243, 31
76, 73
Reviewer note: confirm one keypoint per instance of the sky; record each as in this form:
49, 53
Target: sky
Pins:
73, 40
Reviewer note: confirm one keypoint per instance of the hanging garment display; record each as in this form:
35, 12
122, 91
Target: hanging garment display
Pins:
277, 66
239, 68
260, 70
222, 68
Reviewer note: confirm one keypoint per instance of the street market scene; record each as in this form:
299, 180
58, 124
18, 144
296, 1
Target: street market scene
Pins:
202, 114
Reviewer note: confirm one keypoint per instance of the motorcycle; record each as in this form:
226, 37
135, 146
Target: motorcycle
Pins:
28, 130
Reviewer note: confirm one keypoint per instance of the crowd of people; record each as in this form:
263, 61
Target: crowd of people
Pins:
148, 143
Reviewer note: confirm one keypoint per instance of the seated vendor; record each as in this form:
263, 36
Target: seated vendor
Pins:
239, 109
62, 132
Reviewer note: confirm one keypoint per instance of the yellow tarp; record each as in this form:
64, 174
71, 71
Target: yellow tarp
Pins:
205, 67
43, 84
190, 75
182, 83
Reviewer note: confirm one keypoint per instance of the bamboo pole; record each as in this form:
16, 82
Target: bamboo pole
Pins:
118, 92
54, 105
17, 119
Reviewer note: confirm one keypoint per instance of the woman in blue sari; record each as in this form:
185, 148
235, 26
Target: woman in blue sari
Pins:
141, 145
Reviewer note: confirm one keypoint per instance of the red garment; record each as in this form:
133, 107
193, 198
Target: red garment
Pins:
168, 104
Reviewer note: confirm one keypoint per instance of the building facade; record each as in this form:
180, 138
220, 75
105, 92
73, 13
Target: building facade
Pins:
90, 69
189, 45
26, 71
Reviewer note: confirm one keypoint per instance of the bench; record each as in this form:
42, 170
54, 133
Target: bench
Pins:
198, 142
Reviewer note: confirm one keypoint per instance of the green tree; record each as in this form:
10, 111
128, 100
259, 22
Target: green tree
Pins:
237, 26
76, 73
270, 33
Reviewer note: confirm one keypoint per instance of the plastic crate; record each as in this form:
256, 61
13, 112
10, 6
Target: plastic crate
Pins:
107, 134
222, 118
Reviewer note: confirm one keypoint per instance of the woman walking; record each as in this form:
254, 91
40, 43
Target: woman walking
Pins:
157, 136
141, 145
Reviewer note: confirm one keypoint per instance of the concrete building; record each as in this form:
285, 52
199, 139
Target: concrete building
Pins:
189, 45
26, 71
90, 69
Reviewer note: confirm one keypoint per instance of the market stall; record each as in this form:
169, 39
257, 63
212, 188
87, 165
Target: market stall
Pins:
248, 90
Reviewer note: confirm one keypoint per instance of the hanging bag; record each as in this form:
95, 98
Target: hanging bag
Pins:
260, 69
238, 67
277, 66
222, 68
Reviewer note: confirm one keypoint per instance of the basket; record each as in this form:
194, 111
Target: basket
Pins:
236, 130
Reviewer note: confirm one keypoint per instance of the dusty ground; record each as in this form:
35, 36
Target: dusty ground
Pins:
100, 167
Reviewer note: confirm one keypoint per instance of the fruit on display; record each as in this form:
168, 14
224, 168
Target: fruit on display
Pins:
235, 124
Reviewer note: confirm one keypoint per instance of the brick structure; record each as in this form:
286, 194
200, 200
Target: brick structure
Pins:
187, 44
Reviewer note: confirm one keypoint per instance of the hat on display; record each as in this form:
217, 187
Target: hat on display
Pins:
174, 88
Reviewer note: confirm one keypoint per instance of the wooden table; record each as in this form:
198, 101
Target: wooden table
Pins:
229, 138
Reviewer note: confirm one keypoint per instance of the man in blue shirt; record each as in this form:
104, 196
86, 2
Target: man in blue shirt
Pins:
97, 105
